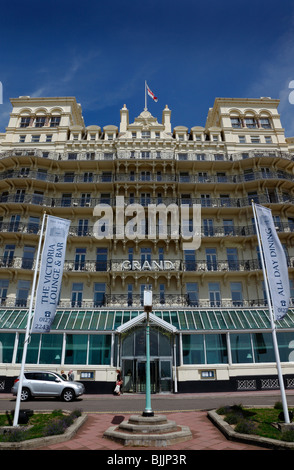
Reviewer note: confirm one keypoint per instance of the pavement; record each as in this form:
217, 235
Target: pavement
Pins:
205, 434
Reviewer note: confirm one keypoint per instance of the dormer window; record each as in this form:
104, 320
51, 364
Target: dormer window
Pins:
250, 123
25, 122
55, 121
236, 123
265, 123
40, 121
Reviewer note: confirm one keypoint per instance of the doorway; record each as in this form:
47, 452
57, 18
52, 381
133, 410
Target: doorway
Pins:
134, 375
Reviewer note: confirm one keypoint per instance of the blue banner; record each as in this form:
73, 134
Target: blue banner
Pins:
50, 276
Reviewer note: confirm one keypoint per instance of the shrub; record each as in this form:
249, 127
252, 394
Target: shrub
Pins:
245, 427
16, 435
287, 436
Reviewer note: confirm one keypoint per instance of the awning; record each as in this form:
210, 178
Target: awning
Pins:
194, 320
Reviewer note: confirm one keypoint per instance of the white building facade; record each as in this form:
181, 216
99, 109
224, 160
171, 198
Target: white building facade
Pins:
210, 327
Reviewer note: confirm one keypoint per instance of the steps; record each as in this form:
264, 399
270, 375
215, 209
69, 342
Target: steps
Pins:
156, 431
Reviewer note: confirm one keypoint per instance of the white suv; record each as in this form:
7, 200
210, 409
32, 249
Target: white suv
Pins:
47, 384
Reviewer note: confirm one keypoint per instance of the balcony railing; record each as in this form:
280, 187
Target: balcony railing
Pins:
90, 177
136, 301
153, 265
192, 155
219, 202
88, 231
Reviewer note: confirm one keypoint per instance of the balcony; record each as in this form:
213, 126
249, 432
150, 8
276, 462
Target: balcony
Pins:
172, 155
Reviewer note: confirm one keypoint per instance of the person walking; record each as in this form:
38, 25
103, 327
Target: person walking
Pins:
71, 375
119, 383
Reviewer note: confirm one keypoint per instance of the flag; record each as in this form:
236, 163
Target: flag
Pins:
50, 277
151, 94
275, 262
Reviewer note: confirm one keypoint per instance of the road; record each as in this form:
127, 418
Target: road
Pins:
135, 403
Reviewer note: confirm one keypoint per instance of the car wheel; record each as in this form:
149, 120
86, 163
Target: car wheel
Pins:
25, 394
68, 394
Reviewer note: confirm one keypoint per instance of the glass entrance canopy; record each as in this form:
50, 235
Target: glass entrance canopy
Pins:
183, 320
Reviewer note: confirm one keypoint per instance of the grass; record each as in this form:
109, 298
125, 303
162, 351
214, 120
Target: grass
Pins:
258, 421
42, 425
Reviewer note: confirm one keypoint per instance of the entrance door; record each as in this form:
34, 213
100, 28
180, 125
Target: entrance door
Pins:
141, 376
165, 375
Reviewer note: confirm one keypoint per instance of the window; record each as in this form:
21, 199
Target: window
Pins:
85, 199
100, 349
69, 177
162, 293
28, 257
190, 260
250, 123
77, 294
6, 347
216, 349
193, 349
241, 348
33, 225
242, 139
66, 200
35, 138
22, 293
83, 227
263, 347
268, 139
255, 139
25, 121
76, 349
145, 154
145, 255
236, 294
38, 197
22, 138
101, 259
55, 121
40, 121
130, 295
228, 227
4, 283
232, 257
51, 349
236, 123
214, 294
80, 259
208, 227
14, 223
265, 123
211, 259
8, 255
99, 294
49, 138
192, 293
205, 200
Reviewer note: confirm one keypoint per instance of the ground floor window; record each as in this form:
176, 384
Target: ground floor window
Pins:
51, 348
6, 347
204, 349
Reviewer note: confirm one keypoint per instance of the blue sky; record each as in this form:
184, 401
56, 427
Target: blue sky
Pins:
188, 51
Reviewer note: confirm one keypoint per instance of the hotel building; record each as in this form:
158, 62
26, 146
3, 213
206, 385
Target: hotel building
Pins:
210, 327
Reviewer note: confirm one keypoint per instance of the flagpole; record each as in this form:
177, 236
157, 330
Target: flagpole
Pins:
145, 96
273, 326
27, 334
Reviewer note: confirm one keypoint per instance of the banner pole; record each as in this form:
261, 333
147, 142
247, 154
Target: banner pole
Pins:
27, 334
145, 96
273, 326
